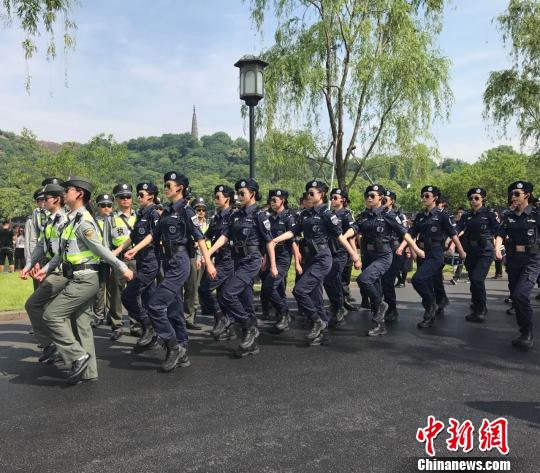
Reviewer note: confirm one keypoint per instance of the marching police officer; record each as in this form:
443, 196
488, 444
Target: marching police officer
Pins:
377, 226
332, 282
273, 289
175, 230
80, 251
478, 228
389, 278
137, 294
223, 198
34, 226
521, 229
103, 298
432, 227
120, 226
192, 284
318, 225
47, 247
249, 231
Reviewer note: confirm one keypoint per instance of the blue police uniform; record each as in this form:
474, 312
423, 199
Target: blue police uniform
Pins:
522, 233
137, 294
223, 262
318, 226
273, 289
376, 227
432, 229
389, 278
176, 229
332, 282
441, 298
249, 231
480, 228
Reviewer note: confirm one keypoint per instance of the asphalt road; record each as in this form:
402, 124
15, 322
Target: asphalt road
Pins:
354, 405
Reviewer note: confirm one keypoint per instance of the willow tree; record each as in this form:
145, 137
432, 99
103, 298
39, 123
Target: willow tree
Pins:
33, 15
369, 70
514, 93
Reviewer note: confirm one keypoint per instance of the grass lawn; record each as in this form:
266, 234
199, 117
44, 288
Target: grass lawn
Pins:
14, 291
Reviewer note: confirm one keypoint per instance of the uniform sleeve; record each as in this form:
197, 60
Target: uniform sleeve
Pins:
30, 238
37, 255
503, 228
395, 224
332, 222
348, 221
356, 225
263, 224
191, 222
447, 225
413, 230
495, 225
290, 223
87, 232
154, 220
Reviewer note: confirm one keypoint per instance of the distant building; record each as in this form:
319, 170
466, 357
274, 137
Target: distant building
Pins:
194, 127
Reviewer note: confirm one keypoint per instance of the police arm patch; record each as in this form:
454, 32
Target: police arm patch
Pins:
334, 219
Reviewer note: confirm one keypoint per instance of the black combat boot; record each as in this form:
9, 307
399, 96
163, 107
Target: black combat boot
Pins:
322, 339
318, 326
378, 308
477, 315
252, 350
429, 315
249, 337
379, 329
217, 317
391, 314
340, 316
283, 323
524, 341
148, 338
48, 352
441, 305
349, 306
365, 303
222, 326
176, 354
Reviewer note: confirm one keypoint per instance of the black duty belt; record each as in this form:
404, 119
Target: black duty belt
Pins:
480, 243
173, 248
379, 247
245, 250
530, 249
431, 244
68, 269
81, 267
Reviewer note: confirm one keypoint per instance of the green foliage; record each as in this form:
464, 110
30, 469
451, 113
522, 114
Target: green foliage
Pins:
514, 93
24, 163
373, 62
281, 162
31, 14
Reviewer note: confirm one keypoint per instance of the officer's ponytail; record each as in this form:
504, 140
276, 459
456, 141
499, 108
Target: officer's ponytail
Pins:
86, 200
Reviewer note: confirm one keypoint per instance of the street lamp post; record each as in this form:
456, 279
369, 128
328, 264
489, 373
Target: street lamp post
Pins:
251, 91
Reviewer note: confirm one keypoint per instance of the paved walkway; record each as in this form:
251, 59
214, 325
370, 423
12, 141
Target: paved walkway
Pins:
354, 405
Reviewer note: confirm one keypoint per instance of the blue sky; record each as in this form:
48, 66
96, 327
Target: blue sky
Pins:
140, 66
